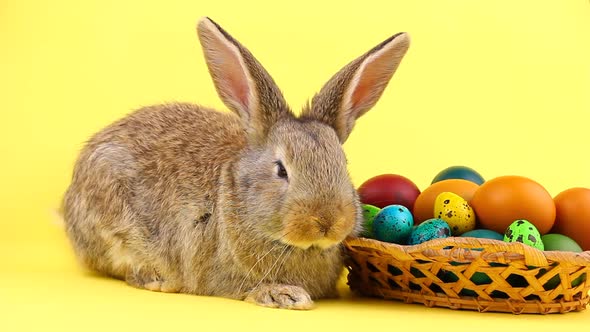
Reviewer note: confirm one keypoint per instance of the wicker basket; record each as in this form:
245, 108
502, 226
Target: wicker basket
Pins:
471, 273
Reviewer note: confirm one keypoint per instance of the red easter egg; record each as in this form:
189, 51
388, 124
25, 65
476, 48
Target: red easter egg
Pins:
389, 189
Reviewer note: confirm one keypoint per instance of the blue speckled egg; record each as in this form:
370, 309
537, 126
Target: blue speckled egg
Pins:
429, 230
393, 224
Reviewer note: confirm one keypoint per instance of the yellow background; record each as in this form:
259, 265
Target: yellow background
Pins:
501, 86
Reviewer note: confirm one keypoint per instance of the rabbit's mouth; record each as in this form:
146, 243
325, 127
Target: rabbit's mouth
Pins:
320, 224
315, 232
322, 244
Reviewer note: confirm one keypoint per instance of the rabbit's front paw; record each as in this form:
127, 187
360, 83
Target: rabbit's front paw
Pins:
149, 279
280, 296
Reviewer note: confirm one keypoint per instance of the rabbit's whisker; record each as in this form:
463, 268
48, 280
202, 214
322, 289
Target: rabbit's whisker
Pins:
259, 260
252, 268
287, 256
272, 267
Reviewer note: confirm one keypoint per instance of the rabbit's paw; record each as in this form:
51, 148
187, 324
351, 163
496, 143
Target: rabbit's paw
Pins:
280, 296
149, 279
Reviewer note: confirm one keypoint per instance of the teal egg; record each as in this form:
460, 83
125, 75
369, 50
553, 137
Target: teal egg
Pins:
523, 231
429, 230
393, 224
369, 213
459, 172
484, 234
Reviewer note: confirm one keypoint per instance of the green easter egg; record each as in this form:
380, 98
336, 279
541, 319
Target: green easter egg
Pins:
480, 278
516, 280
576, 282
369, 213
559, 242
525, 232
477, 278
556, 280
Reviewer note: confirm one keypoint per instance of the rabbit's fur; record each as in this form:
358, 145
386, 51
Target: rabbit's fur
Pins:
182, 198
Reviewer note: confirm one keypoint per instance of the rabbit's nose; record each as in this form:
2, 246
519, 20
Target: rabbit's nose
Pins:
324, 225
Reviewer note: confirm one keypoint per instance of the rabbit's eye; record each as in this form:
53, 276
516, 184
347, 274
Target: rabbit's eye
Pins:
281, 171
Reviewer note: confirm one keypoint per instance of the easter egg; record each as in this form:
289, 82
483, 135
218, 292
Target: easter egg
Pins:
424, 205
573, 215
502, 200
369, 213
428, 230
459, 172
524, 232
455, 211
393, 224
517, 281
551, 283
477, 278
484, 234
555, 281
480, 278
558, 242
389, 189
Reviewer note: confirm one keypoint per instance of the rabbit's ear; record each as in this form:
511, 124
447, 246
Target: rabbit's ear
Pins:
356, 88
242, 83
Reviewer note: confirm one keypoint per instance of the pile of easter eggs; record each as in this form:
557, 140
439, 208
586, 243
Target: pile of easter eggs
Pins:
459, 202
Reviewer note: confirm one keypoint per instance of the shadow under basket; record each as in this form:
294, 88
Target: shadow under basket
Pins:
471, 274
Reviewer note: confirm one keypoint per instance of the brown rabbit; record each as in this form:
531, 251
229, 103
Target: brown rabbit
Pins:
182, 198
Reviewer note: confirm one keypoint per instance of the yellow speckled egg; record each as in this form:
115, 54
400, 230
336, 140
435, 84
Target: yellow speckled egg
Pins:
453, 209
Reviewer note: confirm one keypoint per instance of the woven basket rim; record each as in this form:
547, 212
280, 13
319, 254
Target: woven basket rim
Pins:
493, 251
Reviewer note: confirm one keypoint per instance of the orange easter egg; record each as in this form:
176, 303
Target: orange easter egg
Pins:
500, 201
